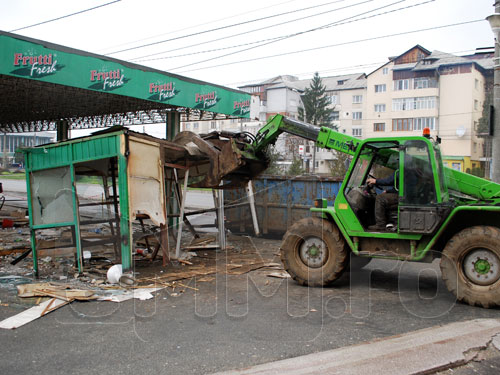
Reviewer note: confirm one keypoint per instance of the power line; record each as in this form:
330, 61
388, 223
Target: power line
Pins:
338, 23
201, 24
288, 36
224, 27
250, 31
339, 69
336, 45
66, 16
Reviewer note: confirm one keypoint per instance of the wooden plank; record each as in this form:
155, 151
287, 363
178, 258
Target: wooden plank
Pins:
31, 314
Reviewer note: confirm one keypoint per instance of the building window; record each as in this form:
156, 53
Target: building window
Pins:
356, 99
476, 105
409, 104
420, 123
380, 88
186, 126
385, 71
195, 125
335, 116
213, 124
379, 107
357, 132
421, 83
476, 84
340, 82
333, 99
402, 124
401, 84
379, 127
424, 83
357, 115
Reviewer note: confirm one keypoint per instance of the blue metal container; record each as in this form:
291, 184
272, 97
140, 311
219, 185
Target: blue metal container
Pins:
280, 201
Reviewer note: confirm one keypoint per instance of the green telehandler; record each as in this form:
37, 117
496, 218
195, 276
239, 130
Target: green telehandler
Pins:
439, 213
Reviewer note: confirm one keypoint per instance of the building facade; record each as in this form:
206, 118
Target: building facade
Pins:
441, 91
414, 90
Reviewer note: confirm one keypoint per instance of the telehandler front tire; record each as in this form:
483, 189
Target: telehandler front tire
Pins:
470, 266
314, 252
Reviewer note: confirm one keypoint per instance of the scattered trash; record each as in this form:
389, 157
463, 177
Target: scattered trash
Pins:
7, 223
143, 252
279, 274
33, 313
127, 280
114, 274
87, 254
125, 295
63, 292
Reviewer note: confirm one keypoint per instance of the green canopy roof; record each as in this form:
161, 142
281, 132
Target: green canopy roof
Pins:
41, 83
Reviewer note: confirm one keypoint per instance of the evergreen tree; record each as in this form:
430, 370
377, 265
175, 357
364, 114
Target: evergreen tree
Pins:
338, 166
296, 168
484, 122
273, 156
316, 108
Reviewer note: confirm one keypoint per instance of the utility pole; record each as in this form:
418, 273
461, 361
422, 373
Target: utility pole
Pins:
494, 21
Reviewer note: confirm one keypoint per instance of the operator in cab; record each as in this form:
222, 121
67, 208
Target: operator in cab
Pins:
387, 199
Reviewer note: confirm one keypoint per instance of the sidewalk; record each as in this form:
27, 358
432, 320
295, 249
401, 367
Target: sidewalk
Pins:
421, 352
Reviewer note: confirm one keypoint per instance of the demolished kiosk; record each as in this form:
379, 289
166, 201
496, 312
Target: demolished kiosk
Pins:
45, 86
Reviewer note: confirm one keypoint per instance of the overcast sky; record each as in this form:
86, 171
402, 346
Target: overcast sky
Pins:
337, 49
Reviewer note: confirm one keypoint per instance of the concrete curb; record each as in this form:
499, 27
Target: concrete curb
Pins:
420, 352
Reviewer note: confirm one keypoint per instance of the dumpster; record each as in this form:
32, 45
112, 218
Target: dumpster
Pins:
280, 201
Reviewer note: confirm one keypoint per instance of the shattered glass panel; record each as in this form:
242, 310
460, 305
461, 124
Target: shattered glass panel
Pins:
51, 196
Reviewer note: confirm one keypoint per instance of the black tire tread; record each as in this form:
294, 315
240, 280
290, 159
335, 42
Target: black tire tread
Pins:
330, 234
462, 288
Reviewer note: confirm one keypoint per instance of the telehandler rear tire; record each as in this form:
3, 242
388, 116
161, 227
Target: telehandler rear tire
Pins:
470, 266
314, 252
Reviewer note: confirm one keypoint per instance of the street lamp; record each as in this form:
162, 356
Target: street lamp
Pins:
494, 21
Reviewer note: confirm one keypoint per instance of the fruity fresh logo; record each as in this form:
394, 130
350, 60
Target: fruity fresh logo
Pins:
35, 66
162, 92
107, 81
205, 101
241, 108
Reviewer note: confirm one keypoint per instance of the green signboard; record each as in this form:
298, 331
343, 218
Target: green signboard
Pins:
60, 65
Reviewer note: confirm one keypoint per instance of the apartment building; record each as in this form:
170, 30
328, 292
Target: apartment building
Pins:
441, 91
416, 89
282, 95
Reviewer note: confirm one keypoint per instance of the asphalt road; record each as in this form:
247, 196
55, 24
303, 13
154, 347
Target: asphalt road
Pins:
230, 322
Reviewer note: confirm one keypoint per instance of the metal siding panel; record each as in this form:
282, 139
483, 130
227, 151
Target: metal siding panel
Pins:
280, 202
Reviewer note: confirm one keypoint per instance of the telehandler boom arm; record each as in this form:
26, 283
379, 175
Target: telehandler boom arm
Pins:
323, 136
